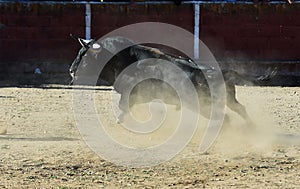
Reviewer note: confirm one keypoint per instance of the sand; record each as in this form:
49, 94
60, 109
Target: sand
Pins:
42, 147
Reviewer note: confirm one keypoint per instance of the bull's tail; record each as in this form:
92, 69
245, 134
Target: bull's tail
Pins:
270, 73
237, 78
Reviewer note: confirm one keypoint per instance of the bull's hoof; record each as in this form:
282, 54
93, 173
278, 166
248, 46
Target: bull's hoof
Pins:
120, 119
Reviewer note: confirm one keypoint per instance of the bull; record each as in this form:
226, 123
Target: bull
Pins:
91, 57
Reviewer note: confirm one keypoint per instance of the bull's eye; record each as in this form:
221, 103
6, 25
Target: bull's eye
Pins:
96, 46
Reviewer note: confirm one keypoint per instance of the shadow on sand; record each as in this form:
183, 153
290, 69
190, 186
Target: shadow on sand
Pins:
10, 137
58, 87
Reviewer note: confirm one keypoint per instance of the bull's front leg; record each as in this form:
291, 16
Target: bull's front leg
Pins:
124, 105
123, 108
72, 74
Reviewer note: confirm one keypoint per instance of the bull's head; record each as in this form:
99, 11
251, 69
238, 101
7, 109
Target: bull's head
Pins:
91, 45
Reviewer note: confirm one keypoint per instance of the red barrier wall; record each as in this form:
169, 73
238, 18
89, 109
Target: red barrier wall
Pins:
34, 34
38, 34
264, 32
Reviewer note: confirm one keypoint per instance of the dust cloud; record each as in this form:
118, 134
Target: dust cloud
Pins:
235, 138
264, 136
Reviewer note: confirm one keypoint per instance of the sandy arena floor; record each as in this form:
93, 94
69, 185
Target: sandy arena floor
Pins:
43, 148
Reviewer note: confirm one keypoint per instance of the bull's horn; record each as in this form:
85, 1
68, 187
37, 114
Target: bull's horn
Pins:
74, 36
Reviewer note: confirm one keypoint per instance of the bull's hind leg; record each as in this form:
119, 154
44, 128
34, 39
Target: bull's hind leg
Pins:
234, 105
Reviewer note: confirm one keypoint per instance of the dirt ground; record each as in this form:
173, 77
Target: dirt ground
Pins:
43, 148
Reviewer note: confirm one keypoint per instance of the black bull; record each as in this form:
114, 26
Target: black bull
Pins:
150, 61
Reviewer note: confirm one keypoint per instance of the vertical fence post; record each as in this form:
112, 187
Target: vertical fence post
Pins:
88, 21
196, 30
